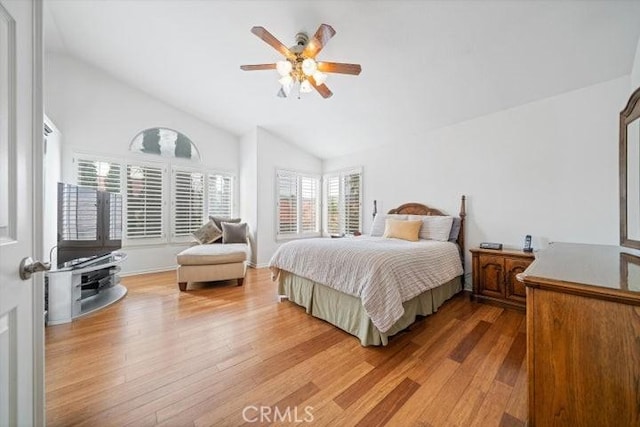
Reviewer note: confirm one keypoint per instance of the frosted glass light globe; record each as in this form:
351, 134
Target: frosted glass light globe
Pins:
283, 67
309, 67
305, 87
287, 83
319, 77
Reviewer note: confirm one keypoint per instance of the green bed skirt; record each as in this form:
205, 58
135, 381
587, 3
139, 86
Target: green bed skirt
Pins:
347, 313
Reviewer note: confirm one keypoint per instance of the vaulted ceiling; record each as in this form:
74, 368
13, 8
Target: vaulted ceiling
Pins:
426, 64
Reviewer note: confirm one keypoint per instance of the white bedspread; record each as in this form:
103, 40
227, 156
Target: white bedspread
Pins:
383, 273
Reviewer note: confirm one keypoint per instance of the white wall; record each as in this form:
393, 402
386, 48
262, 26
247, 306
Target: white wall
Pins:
52, 175
100, 115
548, 168
249, 188
275, 153
635, 71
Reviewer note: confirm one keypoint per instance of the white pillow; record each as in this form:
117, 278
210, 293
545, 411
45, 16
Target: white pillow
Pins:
434, 227
377, 229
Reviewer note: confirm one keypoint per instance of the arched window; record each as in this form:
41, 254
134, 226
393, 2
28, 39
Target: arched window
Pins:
165, 142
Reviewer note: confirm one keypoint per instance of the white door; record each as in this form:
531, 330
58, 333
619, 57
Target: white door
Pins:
21, 130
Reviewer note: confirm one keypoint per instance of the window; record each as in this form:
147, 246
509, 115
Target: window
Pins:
220, 195
343, 201
144, 209
193, 193
298, 206
103, 175
309, 204
188, 202
79, 210
89, 221
165, 142
99, 174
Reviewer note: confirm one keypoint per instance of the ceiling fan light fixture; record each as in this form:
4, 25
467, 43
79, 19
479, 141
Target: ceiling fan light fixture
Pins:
284, 67
309, 67
286, 81
305, 86
287, 84
299, 71
319, 77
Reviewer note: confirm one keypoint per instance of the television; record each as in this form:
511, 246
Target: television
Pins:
89, 223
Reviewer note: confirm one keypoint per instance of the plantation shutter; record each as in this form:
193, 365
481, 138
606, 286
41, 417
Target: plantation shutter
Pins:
101, 175
287, 203
309, 204
334, 225
220, 200
343, 202
144, 202
298, 204
115, 217
79, 209
188, 202
352, 212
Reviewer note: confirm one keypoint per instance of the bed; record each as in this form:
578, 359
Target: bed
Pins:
369, 286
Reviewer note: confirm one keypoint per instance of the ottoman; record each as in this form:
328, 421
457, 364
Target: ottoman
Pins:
212, 262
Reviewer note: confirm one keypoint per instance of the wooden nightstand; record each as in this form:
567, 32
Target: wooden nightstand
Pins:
494, 276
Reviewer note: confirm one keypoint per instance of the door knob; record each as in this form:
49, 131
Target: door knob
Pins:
28, 266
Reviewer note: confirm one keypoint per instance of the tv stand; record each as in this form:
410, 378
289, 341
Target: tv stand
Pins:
84, 288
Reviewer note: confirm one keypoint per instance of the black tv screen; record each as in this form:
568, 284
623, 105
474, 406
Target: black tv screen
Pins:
89, 222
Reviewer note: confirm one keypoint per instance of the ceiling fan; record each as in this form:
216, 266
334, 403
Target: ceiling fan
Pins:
300, 68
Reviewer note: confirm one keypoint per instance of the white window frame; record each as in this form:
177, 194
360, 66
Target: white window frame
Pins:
168, 193
78, 157
341, 174
232, 188
206, 209
126, 242
164, 215
175, 169
299, 234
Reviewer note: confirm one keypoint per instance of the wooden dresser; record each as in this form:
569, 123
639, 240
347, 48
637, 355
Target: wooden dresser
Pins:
583, 336
494, 276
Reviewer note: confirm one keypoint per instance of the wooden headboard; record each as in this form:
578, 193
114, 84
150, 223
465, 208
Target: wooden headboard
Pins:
420, 209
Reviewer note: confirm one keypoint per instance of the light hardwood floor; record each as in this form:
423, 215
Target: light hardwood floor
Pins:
203, 357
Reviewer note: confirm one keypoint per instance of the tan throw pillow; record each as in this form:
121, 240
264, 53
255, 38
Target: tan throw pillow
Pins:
406, 230
379, 223
208, 233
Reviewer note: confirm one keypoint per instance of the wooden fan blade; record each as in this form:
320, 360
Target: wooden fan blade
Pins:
322, 89
269, 39
338, 67
258, 67
319, 40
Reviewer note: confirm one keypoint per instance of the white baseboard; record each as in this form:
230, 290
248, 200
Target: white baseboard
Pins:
252, 265
148, 271
165, 269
